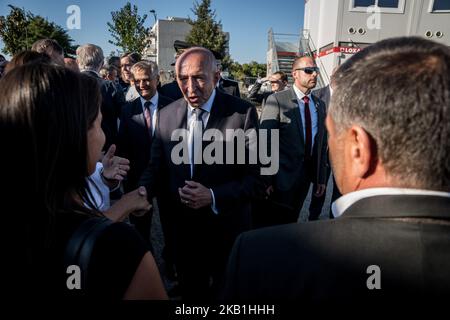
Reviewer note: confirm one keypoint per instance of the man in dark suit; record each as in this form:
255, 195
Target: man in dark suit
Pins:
136, 132
171, 89
278, 82
299, 117
90, 60
210, 200
388, 127
317, 202
229, 86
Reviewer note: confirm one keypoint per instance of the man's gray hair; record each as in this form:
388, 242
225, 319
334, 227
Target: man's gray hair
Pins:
148, 66
398, 91
90, 57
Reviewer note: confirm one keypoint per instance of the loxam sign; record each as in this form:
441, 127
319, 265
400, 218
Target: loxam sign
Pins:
350, 50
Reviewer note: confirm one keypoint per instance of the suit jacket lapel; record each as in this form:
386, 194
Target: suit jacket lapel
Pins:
214, 122
216, 112
320, 117
181, 123
296, 113
138, 117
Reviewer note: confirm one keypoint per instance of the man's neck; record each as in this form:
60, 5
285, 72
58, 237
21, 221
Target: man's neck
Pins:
305, 91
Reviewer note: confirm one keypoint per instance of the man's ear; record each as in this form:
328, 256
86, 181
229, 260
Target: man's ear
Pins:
216, 76
361, 152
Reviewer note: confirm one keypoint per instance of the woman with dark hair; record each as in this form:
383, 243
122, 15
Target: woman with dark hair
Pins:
50, 127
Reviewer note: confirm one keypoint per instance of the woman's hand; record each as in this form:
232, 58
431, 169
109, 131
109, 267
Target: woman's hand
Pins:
114, 168
134, 202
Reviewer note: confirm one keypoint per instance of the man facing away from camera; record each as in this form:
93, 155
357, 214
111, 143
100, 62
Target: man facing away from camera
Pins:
389, 129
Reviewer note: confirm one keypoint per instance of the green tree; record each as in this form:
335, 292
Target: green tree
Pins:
127, 29
20, 29
206, 32
252, 69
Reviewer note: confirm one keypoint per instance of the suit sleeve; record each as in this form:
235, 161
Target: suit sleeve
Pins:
231, 283
245, 188
253, 95
150, 174
238, 93
118, 100
323, 161
270, 120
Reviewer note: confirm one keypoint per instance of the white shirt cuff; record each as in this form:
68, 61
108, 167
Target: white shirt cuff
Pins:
213, 205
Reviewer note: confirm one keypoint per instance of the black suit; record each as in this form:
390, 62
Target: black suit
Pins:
171, 90
315, 208
203, 238
113, 101
256, 96
292, 181
229, 86
406, 236
134, 143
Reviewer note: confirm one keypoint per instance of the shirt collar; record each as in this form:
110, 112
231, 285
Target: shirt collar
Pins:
343, 203
153, 100
91, 71
300, 94
208, 104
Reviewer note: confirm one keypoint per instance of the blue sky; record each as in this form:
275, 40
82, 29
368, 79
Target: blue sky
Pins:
247, 21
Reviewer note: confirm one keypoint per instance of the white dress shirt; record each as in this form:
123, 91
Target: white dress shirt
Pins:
131, 93
153, 109
99, 190
344, 202
205, 117
312, 111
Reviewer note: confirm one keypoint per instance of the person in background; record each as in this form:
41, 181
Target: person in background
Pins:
109, 72
90, 60
127, 60
299, 118
278, 82
316, 204
71, 63
50, 47
136, 133
389, 129
210, 203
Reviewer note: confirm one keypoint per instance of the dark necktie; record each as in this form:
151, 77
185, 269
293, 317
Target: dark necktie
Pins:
196, 134
148, 117
308, 131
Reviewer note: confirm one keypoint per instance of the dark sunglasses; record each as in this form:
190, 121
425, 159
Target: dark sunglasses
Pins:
309, 70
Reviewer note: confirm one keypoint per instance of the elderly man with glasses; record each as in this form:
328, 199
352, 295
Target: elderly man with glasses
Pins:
299, 118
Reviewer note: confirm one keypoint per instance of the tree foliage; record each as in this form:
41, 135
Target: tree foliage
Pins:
20, 29
252, 69
127, 29
206, 31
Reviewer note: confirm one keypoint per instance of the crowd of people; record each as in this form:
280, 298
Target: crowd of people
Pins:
94, 140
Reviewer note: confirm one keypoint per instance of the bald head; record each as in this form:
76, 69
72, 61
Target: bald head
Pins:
301, 62
208, 59
305, 72
197, 75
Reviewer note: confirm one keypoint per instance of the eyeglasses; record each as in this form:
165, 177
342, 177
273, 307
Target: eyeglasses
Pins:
309, 70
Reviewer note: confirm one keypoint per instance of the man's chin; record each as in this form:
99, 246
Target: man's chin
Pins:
194, 102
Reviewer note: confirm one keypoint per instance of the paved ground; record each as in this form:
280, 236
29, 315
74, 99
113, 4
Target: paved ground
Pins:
158, 239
